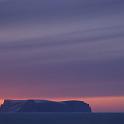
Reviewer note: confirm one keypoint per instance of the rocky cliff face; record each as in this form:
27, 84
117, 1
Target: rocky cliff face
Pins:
44, 106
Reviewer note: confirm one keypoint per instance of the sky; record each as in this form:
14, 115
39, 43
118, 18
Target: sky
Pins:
63, 49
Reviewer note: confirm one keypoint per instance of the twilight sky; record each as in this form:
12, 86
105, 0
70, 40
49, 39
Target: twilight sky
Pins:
61, 48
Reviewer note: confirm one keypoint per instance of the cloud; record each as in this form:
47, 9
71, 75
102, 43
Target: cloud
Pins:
68, 44
17, 11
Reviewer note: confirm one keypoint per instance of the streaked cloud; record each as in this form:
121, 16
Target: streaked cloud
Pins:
62, 45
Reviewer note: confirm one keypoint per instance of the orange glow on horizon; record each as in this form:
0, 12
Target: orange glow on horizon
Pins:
105, 104
98, 104
1, 101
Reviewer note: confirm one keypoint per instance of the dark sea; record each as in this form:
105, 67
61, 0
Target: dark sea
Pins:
61, 118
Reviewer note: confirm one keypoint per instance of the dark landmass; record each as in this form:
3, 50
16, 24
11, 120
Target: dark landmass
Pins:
61, 118
44, 106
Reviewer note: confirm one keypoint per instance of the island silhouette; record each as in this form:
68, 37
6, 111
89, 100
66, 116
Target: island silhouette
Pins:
44, 106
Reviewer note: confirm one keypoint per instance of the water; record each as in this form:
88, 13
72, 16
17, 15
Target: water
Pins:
61, 118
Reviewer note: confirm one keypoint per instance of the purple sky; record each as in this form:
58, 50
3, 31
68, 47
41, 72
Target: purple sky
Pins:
61, 48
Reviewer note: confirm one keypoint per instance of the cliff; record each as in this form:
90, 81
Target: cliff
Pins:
44, 106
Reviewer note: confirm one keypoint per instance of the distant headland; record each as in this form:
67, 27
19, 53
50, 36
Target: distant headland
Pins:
44, 106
